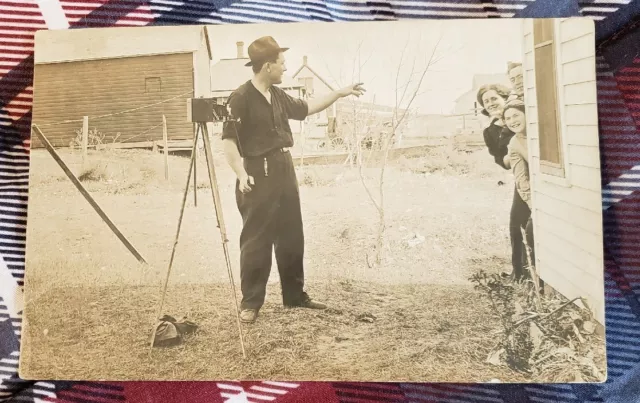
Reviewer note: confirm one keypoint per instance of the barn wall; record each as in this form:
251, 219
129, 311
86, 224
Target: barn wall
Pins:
568, 210
69, 91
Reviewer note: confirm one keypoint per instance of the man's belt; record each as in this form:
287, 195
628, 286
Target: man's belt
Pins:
275, 151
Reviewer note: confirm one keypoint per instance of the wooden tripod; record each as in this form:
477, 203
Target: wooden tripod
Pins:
201, 129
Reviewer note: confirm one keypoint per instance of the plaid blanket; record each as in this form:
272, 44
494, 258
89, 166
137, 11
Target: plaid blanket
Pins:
618, 72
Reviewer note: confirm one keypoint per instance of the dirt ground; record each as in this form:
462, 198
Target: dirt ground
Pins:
415, 318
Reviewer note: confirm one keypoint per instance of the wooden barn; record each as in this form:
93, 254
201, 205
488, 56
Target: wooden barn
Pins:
123, 79
562, 130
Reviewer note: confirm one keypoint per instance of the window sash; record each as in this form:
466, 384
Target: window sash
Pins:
549, 127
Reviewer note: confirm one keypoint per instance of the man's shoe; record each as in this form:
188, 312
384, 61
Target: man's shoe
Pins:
248, 315
308, 303
313, 304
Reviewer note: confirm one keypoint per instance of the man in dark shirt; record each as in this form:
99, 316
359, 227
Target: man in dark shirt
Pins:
256, 141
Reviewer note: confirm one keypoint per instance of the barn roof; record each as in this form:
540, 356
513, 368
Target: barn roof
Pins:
56, 46
229, 74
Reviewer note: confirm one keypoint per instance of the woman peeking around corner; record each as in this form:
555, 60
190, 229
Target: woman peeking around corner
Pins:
515, 120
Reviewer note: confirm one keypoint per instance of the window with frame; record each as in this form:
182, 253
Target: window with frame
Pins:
152, 85
549, 132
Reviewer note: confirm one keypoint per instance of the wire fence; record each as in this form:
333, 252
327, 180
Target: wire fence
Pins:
117, 113
440, 130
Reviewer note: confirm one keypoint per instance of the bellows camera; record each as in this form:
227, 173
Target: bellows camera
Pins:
206, 110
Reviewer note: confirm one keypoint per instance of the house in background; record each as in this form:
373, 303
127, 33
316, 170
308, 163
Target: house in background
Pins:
229, 74
105, 72
429, 129
320, 126
368, 122
346, 119
564, 160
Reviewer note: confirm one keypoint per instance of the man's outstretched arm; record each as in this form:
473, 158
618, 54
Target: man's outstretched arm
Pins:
323, 102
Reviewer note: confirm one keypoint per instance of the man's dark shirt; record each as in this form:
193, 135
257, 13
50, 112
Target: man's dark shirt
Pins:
261, 127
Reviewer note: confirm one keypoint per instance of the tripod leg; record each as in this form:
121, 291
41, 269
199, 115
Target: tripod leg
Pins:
223, 232
195, 165
175, 242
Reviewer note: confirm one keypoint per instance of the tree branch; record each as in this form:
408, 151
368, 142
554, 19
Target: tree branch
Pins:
359, 145
430, 63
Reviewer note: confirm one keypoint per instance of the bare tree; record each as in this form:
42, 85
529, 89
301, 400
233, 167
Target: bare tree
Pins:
363, 126
354, 124
405, 95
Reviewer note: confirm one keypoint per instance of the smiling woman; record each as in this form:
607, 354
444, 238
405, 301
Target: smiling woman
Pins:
493, 98
515, 120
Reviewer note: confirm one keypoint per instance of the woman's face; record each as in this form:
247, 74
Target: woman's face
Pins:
515, 120
493, 103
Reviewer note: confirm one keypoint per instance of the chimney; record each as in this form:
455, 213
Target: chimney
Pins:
304, 60
240, 50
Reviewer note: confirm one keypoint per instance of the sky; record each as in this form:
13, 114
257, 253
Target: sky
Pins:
371, 52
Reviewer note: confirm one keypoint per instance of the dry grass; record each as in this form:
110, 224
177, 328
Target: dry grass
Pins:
85, 287
462, 220
103, 334
445, 160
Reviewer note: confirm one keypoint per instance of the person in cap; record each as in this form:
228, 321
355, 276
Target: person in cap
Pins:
256, 139
514, 71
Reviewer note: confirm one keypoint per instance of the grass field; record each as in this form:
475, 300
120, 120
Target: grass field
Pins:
416, 317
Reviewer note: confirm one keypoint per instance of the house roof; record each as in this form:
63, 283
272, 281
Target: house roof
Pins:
469, 94
229, 74
312, 71
68, 45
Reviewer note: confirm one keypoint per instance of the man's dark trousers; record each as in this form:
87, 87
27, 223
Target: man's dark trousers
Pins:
520, 213
271, 217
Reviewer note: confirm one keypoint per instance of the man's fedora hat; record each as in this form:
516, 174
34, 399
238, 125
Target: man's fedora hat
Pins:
263, 49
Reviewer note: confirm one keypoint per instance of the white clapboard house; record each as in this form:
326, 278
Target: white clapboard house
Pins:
564, 162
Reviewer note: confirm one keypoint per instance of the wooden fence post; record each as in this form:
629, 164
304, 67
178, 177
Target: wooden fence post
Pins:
165, 143
85, 140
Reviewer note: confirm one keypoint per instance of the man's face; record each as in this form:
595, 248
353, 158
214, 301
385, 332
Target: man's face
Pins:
276, 70
515, 76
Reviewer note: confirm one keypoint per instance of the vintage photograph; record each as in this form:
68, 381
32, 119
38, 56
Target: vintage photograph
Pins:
407, 201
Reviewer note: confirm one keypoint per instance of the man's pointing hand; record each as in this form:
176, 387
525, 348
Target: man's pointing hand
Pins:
353, 89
